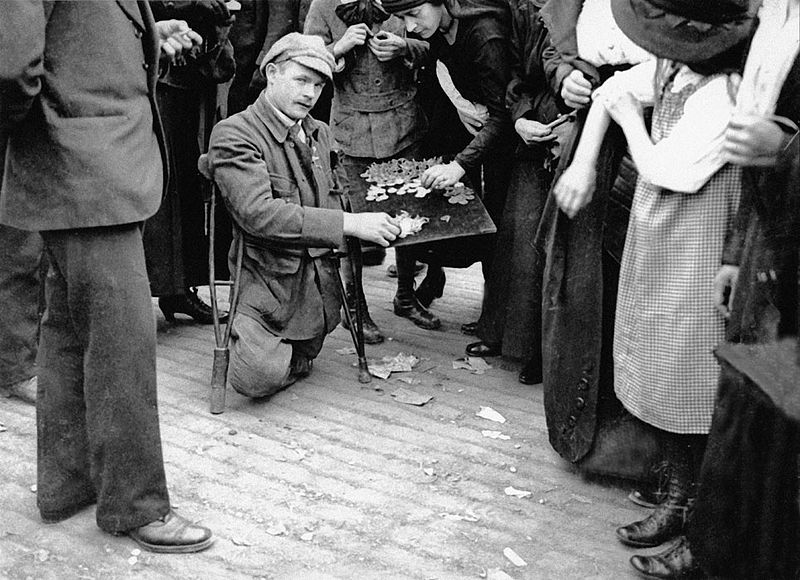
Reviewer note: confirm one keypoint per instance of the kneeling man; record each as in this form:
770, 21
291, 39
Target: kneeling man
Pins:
274, 168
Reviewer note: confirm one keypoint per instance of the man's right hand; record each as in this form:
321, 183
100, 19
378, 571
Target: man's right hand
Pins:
576, 90
378, 228
355, 35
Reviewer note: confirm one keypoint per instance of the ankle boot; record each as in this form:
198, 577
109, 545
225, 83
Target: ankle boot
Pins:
405, 301
667, 520
431, 287
191, 304
675, 562
372, 334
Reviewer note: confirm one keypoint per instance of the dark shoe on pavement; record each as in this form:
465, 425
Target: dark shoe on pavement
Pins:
431, 287
675, 562
469, 328
483, 349
665, 522
410, 308
300, 366
372, 334
24, 390
190, 304
172, 534
531, 373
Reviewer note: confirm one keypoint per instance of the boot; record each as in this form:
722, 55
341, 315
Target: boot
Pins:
675, 562
405, 302
188, 303
431, 287
667, 520
354, 288
372, 334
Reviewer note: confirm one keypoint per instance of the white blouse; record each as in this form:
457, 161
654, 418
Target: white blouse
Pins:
600, 41
692, 153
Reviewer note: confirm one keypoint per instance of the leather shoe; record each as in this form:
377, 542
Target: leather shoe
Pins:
372, 334
483, 349
675, 562
191, 304
531, 373
431, 287
469, 328
172, 534
410, 308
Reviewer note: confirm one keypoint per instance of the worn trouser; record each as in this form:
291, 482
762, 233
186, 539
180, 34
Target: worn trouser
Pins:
97, 419
261, 362
20, 255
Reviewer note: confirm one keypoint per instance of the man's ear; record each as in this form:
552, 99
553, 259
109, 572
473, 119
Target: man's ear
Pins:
271, 70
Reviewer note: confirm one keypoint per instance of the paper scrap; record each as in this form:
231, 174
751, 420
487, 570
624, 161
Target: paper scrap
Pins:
495, 435
497, 574
346, 350
409, 380
399, 363
514, 557
445, 218
277, 530
410, 397
467, 517
491, 415
307, 537
474, 364
514, 492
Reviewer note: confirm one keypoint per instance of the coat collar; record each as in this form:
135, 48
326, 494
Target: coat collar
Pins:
278, 126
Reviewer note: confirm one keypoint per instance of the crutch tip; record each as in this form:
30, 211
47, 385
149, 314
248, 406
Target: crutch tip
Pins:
364, 376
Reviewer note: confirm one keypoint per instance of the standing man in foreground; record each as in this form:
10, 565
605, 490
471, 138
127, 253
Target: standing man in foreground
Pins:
274, 167
85, 166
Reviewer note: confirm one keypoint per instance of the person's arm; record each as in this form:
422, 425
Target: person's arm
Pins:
22, 37
693, 151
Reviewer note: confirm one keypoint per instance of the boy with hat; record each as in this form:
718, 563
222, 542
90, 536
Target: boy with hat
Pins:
274, 166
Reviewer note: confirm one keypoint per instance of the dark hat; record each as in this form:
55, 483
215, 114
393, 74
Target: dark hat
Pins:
395, 6
306, 49
687, 31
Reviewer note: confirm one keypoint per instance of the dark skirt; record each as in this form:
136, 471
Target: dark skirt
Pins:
175, 240
513, 317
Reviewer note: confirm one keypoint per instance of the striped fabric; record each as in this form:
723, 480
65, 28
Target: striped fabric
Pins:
666, 325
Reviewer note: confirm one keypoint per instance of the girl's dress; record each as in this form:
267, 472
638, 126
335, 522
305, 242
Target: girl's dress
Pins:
667, 324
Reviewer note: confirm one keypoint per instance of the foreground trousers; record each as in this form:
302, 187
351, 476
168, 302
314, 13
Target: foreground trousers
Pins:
20, 254
97, 419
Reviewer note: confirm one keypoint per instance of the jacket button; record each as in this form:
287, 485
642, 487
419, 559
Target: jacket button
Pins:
378, 82
572, 420
145, 66
580, 403
583, 384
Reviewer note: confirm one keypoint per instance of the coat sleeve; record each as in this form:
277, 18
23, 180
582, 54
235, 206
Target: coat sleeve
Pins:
238, 167
493, 72
22, 37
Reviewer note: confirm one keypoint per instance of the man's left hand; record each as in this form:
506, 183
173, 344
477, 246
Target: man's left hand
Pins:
386, 46
175, 37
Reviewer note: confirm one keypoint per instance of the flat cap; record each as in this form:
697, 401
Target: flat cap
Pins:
306, 49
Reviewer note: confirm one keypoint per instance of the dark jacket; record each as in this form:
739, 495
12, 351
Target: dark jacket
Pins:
478, 63
285, 198
80, 154
374, 112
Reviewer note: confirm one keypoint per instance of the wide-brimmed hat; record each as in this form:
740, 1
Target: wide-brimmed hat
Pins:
684, 30
306, 49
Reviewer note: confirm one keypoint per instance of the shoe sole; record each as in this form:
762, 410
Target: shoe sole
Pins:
180, 549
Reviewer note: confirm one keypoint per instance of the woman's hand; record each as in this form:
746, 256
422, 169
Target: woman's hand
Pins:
442, 175
533, 131
175, 36
725, 288
621, 105
576, 90
753, 141
355, 35
575, 188
387, 46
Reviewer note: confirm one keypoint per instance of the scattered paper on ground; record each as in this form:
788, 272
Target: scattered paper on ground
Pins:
497, 574
346, 350
445, 218
513, 491
514, 557
495, 435
410, 397
467, 517
491, 414
277, 530
400, 363
473, 364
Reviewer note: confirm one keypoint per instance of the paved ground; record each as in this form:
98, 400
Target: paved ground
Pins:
333, 479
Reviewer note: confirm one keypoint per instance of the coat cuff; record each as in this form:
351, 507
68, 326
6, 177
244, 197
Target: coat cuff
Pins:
323, 227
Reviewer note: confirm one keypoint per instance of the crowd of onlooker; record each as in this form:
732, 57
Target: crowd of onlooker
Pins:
638, 157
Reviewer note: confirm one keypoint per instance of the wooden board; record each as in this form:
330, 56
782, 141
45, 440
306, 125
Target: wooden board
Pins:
471, 219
